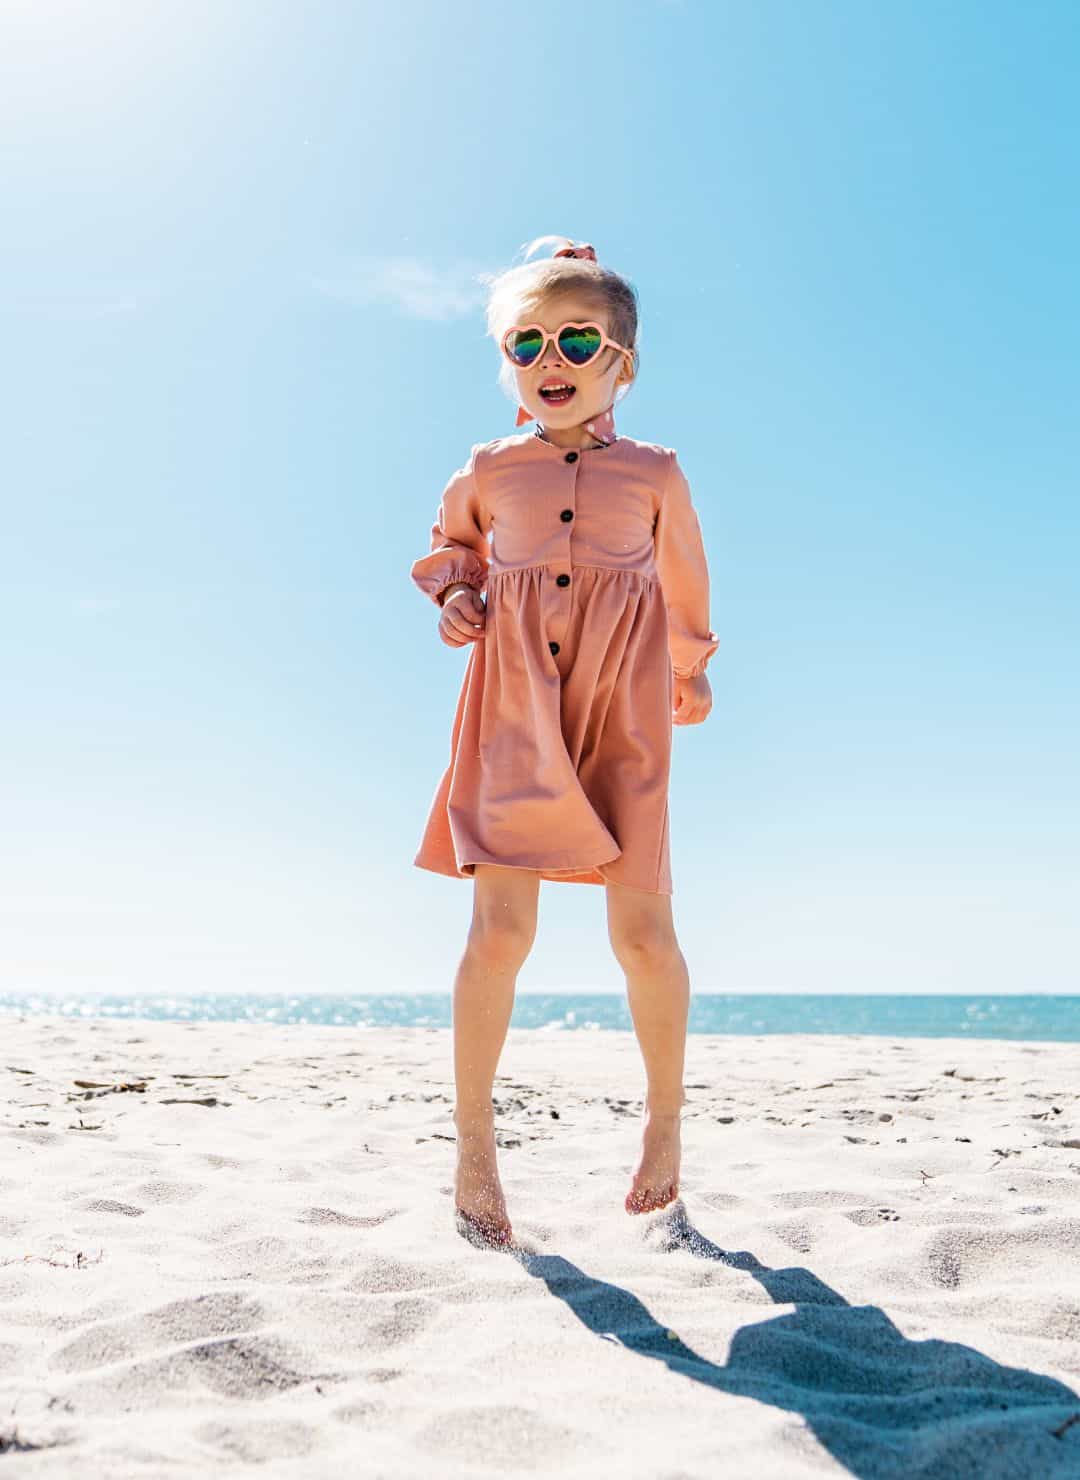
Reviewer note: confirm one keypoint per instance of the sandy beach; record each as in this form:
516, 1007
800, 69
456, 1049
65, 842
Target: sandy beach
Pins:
229, 1248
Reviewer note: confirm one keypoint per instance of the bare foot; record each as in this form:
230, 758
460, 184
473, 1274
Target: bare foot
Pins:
479, 1205
656, 1177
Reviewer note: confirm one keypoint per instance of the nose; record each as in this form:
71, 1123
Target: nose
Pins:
551, 359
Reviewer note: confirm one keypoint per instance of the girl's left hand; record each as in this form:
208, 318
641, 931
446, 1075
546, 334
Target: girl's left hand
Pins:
691, 700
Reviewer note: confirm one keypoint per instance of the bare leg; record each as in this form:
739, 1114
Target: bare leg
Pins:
500, 937
642, 936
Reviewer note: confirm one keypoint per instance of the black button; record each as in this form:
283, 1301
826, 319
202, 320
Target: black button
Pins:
563, 580
554, 646
566, 515
571, 457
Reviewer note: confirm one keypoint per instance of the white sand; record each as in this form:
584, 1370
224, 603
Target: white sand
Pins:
873, 1269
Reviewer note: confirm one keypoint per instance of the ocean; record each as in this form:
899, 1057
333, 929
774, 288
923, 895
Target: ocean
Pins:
1052, 1019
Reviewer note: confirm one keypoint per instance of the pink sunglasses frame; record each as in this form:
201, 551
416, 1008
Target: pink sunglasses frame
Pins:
605, 343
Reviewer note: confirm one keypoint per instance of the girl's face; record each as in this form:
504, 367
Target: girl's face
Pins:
593, 385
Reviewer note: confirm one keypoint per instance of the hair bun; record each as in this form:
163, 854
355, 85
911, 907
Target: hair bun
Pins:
580, 249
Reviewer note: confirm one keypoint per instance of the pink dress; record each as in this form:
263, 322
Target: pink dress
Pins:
597, 590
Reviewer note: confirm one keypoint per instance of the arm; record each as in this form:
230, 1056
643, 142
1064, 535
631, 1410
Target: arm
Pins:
684, 577
459, 551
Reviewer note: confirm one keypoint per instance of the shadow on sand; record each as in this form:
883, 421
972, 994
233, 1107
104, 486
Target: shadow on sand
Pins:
886, 1407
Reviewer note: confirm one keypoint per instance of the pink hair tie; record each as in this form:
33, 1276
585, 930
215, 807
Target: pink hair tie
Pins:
583, 249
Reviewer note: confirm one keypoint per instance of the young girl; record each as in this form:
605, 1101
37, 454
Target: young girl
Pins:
593, 640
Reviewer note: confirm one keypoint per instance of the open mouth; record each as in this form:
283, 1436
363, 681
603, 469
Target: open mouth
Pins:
557, 392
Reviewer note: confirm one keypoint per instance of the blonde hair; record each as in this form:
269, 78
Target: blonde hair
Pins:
515, 294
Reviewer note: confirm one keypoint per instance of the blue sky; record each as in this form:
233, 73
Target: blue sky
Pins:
243, 349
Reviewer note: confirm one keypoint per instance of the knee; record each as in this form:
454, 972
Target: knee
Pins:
500, 943
645, 948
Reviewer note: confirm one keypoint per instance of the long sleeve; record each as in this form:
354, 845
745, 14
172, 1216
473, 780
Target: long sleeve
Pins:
684, 577
459, 537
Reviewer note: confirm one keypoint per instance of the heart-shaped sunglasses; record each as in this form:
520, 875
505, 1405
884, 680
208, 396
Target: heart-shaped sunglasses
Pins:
576, 344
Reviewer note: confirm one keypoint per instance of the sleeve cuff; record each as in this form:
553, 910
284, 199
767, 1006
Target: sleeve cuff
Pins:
432, 575
696, 668
476, 582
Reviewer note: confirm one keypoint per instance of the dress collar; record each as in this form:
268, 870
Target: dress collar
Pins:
538, 436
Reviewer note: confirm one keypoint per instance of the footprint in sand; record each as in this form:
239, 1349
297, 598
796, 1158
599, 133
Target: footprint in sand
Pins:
867, 1216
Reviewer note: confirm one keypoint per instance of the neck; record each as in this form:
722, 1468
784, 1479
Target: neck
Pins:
567, 436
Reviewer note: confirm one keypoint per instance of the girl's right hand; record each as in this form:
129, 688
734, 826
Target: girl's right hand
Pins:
463, 617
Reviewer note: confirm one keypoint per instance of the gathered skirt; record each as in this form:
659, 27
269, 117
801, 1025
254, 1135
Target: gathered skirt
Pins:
560, 761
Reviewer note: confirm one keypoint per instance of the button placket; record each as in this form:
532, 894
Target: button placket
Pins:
561, 613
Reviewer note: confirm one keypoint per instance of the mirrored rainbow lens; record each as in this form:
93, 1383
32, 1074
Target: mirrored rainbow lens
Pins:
579, 345
524, 345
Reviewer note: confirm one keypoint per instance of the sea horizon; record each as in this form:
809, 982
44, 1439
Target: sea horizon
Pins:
1046, 1017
